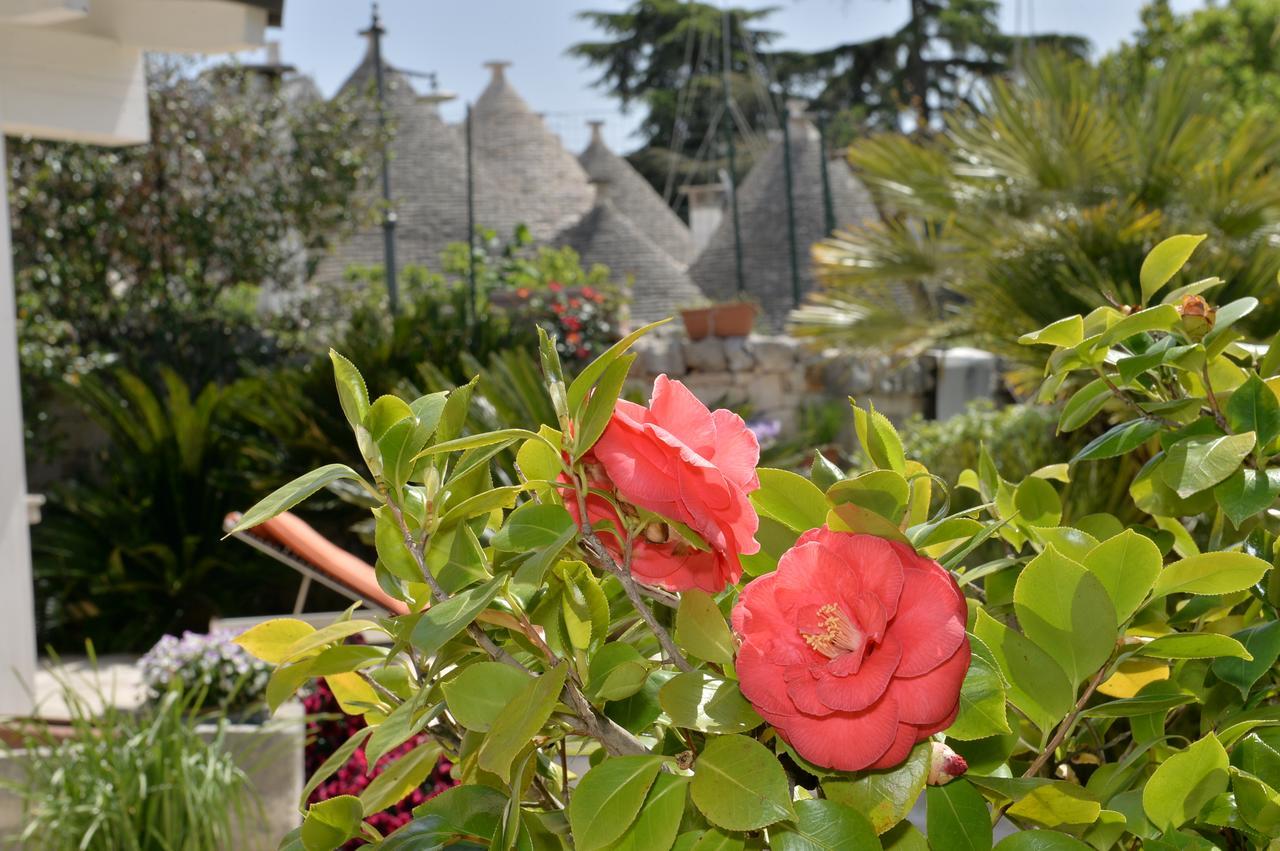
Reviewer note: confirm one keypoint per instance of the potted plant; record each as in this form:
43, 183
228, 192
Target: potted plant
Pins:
733, 318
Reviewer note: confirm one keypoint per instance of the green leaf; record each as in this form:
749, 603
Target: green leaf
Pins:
332, 822
1247, 493
406, 721
1138, 705
1057, 805
393, 552
885, 796
1127, 566
1262, 642
617, 671
790, 499
270, 640
399, 778
1210, 573
352, 393
1257, 802
1198, 463
1196, 645
592, 372
739, 785
1037, 684
533, 526
1253, 407
479, 693
1118, 440
385, 412
608, 798
440, 623
285, 682
467, 811
1258, 758
519, 722
879, 439
701, 629
1162, 317
286, 497
1041, 840
1165, 260
311, 643
656, 826
713, 839
1084, 405
336, 760
882, 491
1217, 340
823, 473
958, 818
1066, 611
1065, 332
1037, 502
982, 703
537, 460
854, 518
343, 658
696, 700
824, 826
600, 405
905, 837
1184, 783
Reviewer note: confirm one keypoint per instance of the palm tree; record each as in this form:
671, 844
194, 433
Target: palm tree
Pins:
1040, 201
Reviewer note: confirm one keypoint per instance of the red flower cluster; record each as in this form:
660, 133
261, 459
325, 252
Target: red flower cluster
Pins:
583, 321
854, 649
685, 463
327, 729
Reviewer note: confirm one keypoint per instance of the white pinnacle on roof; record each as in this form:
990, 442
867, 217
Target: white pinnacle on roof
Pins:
635, 198
543, 183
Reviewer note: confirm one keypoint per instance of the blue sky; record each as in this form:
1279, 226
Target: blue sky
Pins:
454, 37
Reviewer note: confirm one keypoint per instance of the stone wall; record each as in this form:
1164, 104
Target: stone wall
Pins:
776, 376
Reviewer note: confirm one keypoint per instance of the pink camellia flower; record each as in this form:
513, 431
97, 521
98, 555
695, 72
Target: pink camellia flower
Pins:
683, 462
854, 649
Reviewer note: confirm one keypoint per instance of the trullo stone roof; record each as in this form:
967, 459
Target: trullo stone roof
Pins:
544, 184
659, 285
635, 198
762, 209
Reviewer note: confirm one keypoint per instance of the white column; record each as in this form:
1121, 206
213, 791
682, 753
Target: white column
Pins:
17, 605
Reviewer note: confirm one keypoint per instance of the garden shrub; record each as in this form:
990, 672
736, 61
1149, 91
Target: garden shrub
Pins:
751, 657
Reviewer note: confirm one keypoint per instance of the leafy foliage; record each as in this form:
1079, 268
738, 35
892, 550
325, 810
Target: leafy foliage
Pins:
1112, 676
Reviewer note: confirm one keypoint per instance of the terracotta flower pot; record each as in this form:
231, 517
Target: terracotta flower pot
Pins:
732, 319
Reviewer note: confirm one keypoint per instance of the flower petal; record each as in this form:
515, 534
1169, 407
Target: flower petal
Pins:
674, 408
903, 742
927, 699
858, 691
845, 741
736, 450
928, 623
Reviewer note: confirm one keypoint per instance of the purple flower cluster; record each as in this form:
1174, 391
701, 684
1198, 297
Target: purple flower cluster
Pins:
766, 431
232, 679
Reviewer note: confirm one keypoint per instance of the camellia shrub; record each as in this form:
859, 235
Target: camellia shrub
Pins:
648, 642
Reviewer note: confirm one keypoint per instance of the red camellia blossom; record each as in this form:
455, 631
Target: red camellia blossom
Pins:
683, 462
854, 649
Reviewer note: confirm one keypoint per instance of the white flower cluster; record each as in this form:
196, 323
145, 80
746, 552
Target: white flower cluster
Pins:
231, 678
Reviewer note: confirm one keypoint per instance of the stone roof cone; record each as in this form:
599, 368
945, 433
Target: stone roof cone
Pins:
659, 284
428, 181
635, 198
762, 209
542, 182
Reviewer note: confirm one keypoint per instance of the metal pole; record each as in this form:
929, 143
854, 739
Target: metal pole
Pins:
828, 206
733, 168
471, 230
374, 33
791, 204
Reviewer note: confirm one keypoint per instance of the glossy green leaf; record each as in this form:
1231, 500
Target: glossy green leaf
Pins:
1198, 463
958, 819
287, 496
467, 811
397, 779
520, 721
481, 691
443, 621
1138, 705
790, 499
330, 823
1118, 440
617, 671
533, 526
885, 796
822, 825
697, 700
272, 640
879, 440
1257, 802
608, 798
1247, 493
1162, 317
1210, 573
656, 826
1127, 566
353, 396
982, 702
1057, 805
600, 404
1196, 645
592, 372
701, 629
1164, 261
1037, 502
1084, 405
1037, 684
739, 785
406, 721
1253, 407
1064, 332
1262, 642
1184, 783
1041, 840
1065, 610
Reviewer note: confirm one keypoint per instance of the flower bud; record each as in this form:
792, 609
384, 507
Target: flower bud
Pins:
657, 532
945, 765
1197, 317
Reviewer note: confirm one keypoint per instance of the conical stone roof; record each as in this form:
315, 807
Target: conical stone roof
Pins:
762, 210
659, 285
543, 184
635, 198
428, 167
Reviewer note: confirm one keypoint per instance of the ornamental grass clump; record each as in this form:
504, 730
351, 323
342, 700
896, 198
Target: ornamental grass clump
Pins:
647, 641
